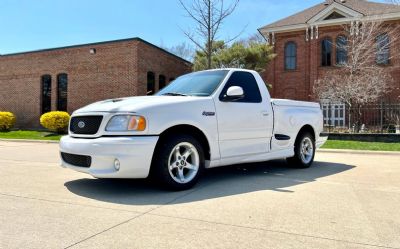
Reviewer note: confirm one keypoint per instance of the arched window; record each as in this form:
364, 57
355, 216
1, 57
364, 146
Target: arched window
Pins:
151, 80
326, 52
62, 92
290, 56
161, 81
341, 50
383, 49
46, 93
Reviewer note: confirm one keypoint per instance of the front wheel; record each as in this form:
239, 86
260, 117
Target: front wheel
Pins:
179, 162
304, 151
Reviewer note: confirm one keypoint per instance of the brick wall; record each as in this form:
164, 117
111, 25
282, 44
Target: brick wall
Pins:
117, 69
151, 60
298, 84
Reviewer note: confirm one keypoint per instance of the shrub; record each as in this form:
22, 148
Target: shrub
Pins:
55, 121
7, 121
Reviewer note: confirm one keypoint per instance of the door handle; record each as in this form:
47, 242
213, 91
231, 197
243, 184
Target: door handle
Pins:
265, 114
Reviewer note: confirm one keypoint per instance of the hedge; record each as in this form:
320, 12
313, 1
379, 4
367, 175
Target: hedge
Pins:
7, 121
55, 121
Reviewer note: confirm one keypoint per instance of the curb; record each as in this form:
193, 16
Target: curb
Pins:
30, 141
362, 152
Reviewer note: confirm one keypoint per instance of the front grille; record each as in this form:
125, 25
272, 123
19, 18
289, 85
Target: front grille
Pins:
87, 125
77, 160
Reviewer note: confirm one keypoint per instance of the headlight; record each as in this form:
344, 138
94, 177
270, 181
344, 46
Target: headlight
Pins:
126, 123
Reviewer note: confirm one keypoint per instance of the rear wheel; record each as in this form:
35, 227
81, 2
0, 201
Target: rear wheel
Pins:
304, 151
179, 162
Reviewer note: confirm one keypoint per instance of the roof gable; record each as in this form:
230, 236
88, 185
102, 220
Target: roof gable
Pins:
334, 15
335, 8
349, 8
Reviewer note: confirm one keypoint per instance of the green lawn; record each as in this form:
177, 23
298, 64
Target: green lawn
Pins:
355, 145
36, 135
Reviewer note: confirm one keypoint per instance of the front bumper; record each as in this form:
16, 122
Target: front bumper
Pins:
134, 153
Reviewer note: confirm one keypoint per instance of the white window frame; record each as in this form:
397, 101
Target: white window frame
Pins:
334, 113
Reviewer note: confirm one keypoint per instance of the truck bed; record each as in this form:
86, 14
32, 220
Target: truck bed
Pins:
294, 103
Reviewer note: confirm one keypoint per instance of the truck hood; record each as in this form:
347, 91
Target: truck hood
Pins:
135, 104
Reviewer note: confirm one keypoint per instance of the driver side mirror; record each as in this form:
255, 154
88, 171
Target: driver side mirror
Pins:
233, 93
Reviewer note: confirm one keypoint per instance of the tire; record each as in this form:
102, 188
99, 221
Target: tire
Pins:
304, 151
178, 162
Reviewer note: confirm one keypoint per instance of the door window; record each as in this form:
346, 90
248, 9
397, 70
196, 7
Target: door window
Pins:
249, 84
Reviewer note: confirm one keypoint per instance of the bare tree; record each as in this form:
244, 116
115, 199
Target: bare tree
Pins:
394, 2
208, 15
255, 38
182, 50
363, 50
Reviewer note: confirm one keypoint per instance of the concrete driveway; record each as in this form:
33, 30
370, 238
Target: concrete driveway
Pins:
343, 201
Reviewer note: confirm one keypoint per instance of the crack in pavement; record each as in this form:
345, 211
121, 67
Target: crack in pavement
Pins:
149, 212
28, 161
135, 217
274, 231
69, 203
19, 145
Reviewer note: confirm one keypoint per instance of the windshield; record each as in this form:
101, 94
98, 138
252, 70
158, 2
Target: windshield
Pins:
195, 84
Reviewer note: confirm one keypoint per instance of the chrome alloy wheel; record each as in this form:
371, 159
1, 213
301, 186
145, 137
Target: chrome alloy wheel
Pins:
183, 162
306, 150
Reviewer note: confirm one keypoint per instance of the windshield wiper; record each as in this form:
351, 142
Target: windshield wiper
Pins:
175, 94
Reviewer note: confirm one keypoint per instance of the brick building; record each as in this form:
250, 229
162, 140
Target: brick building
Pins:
306, 48
298, 42
67, 78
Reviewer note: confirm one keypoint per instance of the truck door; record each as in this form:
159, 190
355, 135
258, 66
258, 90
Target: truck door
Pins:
244, 125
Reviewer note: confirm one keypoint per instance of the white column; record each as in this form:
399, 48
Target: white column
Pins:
352, 28
312, 32
273, 38
357, 28
307, 37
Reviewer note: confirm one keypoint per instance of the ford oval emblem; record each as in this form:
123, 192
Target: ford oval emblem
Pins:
81, 124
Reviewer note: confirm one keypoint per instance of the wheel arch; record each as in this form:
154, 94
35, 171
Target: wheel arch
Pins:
306, 128
298, 160
190, 130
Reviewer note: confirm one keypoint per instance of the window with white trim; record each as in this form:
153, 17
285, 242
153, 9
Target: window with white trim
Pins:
290, 56
334, 114
383, 49
326, 52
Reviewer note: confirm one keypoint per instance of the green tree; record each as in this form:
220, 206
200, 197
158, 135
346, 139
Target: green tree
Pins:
249, 54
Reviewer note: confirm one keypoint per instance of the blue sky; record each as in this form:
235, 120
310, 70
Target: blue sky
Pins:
35, 24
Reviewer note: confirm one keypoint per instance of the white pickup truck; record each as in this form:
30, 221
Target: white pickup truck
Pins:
201, 120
